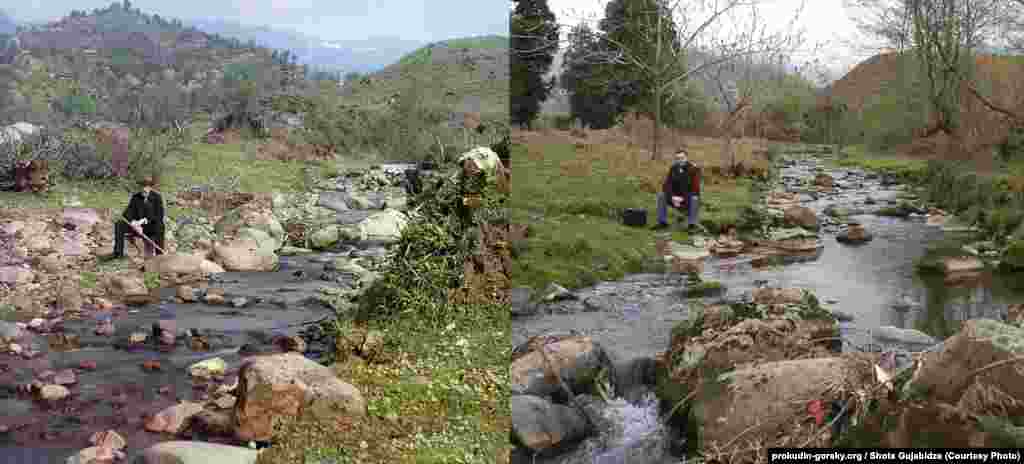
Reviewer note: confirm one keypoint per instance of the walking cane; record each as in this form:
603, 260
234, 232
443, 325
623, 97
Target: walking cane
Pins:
144, 237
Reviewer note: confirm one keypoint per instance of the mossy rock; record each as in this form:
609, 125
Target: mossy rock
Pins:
704, 289
1013, 256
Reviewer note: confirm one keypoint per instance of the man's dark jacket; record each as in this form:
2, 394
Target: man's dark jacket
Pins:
151, 208
677, 182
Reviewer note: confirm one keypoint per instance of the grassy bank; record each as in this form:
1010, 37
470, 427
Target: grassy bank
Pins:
571, 195
903, 167
439, 396
231, 167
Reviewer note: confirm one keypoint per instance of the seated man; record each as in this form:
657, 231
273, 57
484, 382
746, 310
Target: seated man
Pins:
146, 213
682, 188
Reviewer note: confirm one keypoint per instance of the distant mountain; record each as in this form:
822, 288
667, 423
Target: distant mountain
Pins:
366, 55
7, 24
465, 75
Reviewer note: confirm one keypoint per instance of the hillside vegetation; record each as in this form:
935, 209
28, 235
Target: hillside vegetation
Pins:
885, 97
213, 115
468, 75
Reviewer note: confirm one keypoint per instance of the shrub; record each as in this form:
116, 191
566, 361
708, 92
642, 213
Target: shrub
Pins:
1012, 148
429, 258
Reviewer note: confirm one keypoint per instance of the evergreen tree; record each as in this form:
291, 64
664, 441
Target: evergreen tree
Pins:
630, 26
593, 99
534, 44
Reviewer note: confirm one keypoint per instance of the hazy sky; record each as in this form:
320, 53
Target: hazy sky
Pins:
824, 21
427, 20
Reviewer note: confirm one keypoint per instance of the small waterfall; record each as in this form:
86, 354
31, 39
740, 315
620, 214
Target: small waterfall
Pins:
638, 436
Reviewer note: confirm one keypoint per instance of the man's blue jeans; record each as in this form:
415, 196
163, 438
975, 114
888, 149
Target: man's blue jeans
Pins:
691, 213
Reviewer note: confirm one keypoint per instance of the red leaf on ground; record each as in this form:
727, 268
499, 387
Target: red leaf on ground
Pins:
816, 410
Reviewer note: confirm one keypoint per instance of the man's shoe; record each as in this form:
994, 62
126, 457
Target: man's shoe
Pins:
659, 226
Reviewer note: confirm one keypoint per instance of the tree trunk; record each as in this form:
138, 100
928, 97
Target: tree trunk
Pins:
655, 154
658, 87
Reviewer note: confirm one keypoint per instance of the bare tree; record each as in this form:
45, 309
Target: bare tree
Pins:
723, 30
944, 36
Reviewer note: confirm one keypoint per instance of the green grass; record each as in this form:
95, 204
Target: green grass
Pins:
442, 397
577, 238
703, 288
227, 167
423, 54
858, 156
434, 77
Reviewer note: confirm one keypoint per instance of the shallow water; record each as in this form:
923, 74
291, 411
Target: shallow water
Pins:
875, 283
118, 392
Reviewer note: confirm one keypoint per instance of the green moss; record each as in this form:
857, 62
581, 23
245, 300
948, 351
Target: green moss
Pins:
1005, 336
1002, 431
8, 313
151, 279
704, 288
1013, 256
88, 279
901, 211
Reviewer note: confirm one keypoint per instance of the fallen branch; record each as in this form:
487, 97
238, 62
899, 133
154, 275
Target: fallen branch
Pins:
994, 365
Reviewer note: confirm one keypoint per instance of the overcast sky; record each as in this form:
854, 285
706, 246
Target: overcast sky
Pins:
825, 22
426, 20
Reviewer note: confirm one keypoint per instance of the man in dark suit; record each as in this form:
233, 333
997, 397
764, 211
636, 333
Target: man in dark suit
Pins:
675, 189
146, 213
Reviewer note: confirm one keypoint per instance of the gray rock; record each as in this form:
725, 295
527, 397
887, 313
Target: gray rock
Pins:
909, 337
541, 425
555, 292
581, 360
599, 303
196, 452
521, 304
333, 200
239, 302
9, 330
632, 378
352, 217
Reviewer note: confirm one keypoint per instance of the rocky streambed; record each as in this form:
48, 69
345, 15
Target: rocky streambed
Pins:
167, 358
841, 240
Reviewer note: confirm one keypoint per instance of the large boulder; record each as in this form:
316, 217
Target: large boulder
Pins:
331, 234
782, 200
385, 226
578, 360
245, 255
189, 235
254, 218
127, 285
175, 263
764, 406
685, 258
16, 133
854, 234
541, 425
173, 419
197, 452
801, 216
717, 338
974, 369
284, 384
